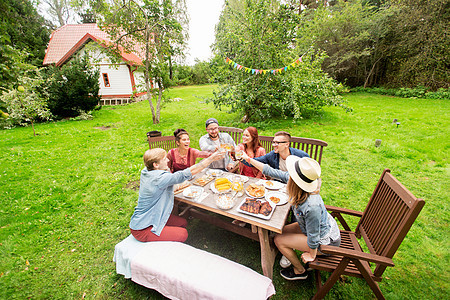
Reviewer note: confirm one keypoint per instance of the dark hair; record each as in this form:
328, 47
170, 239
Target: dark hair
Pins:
255, 144
178, 133
283, 133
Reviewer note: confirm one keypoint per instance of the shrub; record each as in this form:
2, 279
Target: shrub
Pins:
73, 88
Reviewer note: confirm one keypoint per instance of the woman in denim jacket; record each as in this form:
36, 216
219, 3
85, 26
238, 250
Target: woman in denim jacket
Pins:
152, 219
314, 226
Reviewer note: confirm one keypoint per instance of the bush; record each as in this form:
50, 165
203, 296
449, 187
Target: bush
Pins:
73, 88
417, 92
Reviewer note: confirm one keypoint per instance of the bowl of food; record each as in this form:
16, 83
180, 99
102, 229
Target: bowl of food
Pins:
225, 201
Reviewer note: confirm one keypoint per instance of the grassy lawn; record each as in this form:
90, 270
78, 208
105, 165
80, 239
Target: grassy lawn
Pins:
68, 194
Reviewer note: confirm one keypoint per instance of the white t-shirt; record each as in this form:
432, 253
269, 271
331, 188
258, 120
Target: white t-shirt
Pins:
282, 165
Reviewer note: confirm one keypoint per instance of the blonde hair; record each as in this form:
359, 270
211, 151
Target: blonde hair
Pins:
296, 194
153, 156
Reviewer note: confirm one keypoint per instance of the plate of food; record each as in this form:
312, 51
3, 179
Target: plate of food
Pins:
214, 172
258, 208
180, 187
277, 198
204, 180
255, 190
273, 185
221, 185
192, 192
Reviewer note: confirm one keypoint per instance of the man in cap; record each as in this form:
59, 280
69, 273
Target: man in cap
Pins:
212, 141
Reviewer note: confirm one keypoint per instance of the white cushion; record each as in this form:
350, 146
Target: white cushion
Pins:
180, 271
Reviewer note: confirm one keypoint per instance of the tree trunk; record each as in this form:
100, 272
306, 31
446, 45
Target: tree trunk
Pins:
147, 77
371, 72
32, 125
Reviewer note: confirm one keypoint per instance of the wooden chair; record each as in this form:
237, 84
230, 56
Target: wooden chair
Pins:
389, 215
313, 147
236, 133
165, 142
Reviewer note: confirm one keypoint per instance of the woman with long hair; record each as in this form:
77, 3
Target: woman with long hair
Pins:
183, 156
252, 147
314, 226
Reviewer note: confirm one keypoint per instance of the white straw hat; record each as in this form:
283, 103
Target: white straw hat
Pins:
304, 171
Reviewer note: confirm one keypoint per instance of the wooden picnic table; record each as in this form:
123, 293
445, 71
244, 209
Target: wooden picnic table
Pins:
260, 229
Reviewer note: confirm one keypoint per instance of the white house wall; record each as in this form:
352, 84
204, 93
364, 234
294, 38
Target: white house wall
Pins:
118, 74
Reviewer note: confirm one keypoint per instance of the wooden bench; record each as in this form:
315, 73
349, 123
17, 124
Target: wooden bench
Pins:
313, 147
235, 133
389, 215
180, 271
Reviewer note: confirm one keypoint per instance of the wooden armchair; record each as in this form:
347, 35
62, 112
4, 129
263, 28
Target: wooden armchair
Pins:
389, 215
313, 147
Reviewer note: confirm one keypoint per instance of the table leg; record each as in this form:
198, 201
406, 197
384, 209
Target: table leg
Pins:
268, 252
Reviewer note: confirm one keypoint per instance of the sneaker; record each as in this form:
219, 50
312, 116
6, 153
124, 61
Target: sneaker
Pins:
289, 274
284, 262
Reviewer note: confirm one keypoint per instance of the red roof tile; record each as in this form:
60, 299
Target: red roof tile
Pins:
68, 39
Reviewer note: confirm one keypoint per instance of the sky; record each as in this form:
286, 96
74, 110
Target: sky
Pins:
203, 17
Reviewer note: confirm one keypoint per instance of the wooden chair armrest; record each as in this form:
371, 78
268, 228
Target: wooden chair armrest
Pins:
344, 211
333, 250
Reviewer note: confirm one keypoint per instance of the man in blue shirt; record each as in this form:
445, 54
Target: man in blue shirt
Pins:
281, 150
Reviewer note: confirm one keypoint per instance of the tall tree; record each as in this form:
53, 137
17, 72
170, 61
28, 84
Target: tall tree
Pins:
262, 35
59, 10
22, 28
156, 26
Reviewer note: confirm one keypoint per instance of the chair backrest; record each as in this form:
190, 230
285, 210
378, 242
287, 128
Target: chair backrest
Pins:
313, 147
165, 142
236, 133
389, 215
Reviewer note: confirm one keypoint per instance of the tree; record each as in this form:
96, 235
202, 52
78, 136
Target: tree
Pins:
262, 35
27, 104
73, 88
156, 26
59, 10
22, 28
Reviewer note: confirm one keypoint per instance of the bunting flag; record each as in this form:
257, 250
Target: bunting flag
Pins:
258, 71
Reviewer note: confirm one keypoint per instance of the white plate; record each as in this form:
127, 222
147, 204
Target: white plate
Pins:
214, 172
244, 178
257, 215
193, 192
282, 196
276, 185
212, 186
265, 192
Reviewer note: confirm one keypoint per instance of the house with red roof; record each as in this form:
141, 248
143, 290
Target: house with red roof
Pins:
118, 80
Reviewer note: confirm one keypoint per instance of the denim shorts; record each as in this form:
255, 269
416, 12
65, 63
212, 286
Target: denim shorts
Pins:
335, 243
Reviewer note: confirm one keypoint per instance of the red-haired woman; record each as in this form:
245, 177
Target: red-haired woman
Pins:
252, 147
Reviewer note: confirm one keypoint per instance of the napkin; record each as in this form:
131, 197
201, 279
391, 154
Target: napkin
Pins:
200, 198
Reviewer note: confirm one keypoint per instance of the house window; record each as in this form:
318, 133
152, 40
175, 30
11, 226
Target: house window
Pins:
106, 79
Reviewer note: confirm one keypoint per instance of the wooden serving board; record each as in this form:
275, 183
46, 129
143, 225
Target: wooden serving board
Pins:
179, 190
202, 181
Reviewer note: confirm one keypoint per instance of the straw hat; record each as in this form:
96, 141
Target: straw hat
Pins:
304, 171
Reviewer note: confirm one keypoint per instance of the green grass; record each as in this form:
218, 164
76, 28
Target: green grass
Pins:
67, 196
